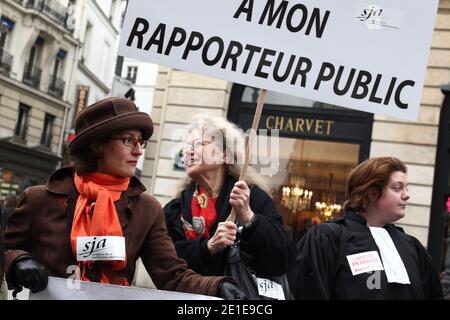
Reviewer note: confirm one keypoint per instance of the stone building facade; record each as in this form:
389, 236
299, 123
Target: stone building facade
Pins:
37, 57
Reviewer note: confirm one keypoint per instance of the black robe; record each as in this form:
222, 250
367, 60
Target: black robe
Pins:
323, 272
270, 250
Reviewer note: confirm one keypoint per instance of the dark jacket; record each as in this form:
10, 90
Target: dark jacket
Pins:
42, 223
270, 249
323, 272
5, 216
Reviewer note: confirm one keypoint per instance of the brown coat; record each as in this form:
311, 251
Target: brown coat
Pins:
41, 226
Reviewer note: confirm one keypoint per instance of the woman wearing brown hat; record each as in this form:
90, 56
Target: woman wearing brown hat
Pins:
96, 216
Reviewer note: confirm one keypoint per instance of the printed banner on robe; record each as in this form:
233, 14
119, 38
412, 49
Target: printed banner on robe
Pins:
70, 289
369, 56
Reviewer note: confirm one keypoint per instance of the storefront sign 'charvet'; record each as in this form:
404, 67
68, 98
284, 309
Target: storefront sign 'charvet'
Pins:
366, 56
302, 125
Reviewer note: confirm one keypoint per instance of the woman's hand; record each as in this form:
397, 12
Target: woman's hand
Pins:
240, 201
225, 236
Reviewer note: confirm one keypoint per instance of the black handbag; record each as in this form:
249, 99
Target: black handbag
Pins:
245, 277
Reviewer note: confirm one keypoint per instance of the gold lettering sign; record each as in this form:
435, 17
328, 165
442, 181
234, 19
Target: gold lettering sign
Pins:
303, 125
83, 92
82, 97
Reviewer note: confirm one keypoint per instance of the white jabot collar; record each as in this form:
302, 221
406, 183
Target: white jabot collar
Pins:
392, 262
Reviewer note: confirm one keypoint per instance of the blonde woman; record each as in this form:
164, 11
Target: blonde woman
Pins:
196, 220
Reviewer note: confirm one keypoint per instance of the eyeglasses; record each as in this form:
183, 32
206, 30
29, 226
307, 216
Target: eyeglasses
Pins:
132, 142
197, 144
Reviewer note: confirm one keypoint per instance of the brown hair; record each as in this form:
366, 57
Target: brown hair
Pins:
371, 174
86, 160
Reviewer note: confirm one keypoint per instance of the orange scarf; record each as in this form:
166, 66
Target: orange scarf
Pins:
100, 219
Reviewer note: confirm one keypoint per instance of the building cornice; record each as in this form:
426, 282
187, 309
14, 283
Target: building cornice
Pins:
9, 143
47, 20
35, 92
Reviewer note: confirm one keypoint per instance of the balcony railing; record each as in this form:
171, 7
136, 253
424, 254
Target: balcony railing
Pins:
5, 62
50, 8
56, 87
32, 76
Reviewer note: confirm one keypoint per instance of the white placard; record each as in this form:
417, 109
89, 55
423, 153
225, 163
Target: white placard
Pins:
69, 289
364, 262
370, 56
269, 288
102, 248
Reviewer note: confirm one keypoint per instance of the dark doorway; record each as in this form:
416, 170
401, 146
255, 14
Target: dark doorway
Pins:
441, 186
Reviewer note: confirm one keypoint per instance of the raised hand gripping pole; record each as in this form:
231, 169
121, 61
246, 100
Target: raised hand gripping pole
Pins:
259, 108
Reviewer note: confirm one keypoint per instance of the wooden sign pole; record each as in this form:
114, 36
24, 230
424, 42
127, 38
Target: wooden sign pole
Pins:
256, 118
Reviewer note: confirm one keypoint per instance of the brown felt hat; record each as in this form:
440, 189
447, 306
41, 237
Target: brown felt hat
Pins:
106, 117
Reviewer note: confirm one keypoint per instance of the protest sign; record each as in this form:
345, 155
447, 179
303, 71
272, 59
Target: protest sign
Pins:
70, 289
370, 56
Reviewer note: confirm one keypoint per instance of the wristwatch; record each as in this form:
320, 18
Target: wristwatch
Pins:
250, 222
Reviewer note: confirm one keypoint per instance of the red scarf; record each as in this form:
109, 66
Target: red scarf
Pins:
204, 215
96, 215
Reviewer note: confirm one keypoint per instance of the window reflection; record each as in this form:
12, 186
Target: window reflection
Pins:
309, 187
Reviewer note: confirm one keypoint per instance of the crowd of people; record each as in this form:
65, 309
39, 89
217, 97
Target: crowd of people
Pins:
185, 245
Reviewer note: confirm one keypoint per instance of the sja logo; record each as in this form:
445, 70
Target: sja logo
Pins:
373, 12
93, 247
265, 285
376, 17
101, 248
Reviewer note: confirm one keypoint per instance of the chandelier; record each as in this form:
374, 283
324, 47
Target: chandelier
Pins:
327, 209
327, 206
295, 196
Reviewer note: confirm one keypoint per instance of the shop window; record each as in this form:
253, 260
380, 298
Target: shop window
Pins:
318, 145
46, 136
12, 183
9, 184
22, 122
309, 186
